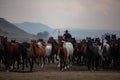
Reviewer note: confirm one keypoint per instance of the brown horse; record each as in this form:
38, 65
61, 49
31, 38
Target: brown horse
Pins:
54, 51
65, 53
80, 51
11, 54
39, 51
83, 46
27, 54
1, 51
62, 56
114, 49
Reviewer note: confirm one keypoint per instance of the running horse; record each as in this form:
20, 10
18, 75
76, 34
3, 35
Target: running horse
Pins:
80, 51
11, 54
27, 54
1, 51
83, 45
114, 48
48, 49
65, 53
106, 53
54, 47
39, 51
93, 53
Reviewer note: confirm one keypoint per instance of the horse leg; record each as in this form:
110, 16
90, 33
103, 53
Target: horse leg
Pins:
42, 61
30, 63
96, 62
18, 62
12, 63
83, 62
68, 62
62, 64
48, 58
26, 62
23, 63
114, 62
7, 66
89, 62
93, 63
104, 62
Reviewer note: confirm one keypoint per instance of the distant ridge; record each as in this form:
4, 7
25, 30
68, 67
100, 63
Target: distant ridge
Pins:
33, 28
13, 32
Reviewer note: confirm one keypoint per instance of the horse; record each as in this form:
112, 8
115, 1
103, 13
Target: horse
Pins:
92, 54
80, 51
1, 54
54, 50
27, 55
1, 51
39, 51
11, 54
114, 49
106, 53
76, 53
48, 49
118, 51
65, 53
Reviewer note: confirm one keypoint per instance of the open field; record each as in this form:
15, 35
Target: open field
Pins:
51, 72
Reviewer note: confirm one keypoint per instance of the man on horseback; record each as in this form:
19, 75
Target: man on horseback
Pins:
67, 36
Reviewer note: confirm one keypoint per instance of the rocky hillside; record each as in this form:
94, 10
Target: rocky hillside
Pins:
13, 32
33, 28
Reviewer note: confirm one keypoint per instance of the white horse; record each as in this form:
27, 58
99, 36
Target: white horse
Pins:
68, 48
105, 53
106, 48
48, 50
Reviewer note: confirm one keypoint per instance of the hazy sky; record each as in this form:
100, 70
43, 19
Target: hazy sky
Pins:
81, 14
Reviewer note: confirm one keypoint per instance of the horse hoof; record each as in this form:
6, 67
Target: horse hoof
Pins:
42, 66
58, 65
65, 67
68, 66
62, 69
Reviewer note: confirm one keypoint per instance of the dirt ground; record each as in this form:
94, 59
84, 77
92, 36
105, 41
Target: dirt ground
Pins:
52, 72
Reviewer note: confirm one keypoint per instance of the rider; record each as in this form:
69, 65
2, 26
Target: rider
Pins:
67, 36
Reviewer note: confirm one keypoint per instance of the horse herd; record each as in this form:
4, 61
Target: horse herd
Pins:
93, 53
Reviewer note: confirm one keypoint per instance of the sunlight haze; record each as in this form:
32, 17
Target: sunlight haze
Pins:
80, 14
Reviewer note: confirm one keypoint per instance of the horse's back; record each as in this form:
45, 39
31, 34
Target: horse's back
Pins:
69, 47
48, 49
40, 51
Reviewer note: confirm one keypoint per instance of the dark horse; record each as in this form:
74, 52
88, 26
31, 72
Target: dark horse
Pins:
11, 53
65, 53
80, 51
53, 54
114, 49
1, 51
26, 55
92, 54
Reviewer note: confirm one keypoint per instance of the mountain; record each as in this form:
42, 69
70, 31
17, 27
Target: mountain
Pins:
34, 28
13, 32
